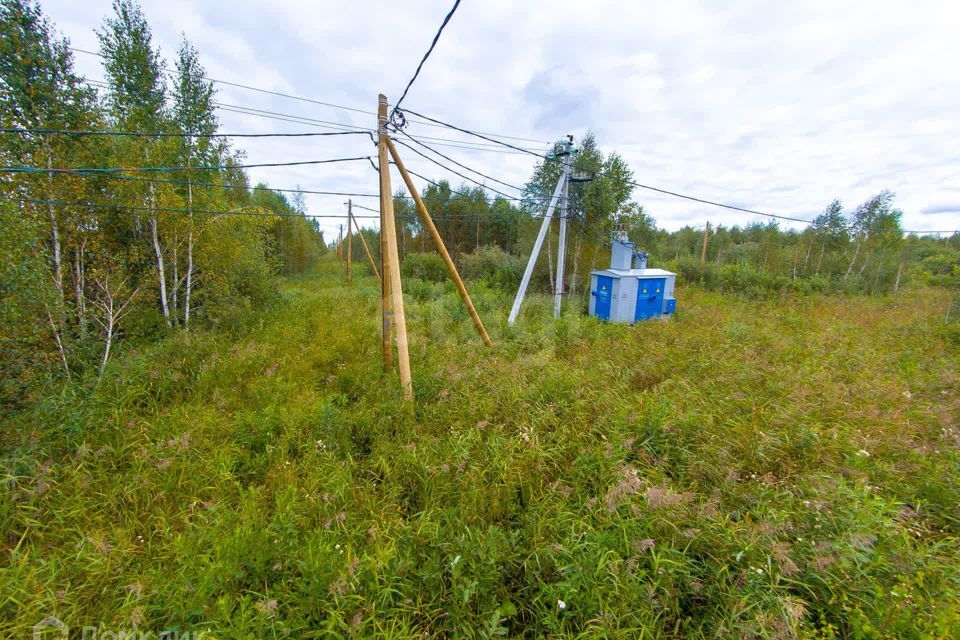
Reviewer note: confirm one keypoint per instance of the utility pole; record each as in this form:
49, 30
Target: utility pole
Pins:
340, 247
366, 249
390, 231
349, 237
538, 245
562, 242
386, 306
703, 251
441, 248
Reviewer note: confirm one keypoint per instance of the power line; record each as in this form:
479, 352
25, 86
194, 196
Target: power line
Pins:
475, 134
297, 119
442, 166
250, 88
435, 183
235, 212
98, 205
719, 204
764, 213
301, 99
436, 38
275, 115
223, 185
286, 117
137, 134
199, 168
463, 166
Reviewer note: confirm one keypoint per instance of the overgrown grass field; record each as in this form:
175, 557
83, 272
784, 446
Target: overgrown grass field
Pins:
780, 468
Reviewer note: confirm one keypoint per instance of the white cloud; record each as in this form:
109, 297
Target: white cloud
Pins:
772, 106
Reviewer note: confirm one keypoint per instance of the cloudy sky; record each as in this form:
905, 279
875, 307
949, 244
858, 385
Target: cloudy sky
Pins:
769, 105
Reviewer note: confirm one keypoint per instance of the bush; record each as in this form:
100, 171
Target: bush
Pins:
425, 266
494, 266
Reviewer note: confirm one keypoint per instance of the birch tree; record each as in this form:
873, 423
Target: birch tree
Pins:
193, 114
136, 100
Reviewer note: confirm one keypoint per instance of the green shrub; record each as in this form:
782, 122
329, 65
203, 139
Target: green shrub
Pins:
425, 266
494, 266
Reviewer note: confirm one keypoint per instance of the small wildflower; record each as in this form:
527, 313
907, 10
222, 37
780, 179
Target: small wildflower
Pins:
267, 607
759, 571
561, 605
643, 545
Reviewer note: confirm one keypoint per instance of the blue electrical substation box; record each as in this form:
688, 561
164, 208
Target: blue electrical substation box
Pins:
628, 291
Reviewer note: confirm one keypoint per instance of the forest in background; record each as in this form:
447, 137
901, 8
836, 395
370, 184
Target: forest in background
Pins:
96, 256
92, 256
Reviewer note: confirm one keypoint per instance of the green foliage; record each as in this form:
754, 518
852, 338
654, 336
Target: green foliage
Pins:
26, 296
137, 94
492, 265
424, 266
175, 269
271, 481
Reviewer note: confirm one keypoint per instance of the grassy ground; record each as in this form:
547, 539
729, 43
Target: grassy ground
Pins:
751, 469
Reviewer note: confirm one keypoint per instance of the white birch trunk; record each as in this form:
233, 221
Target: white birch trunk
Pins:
56, 338
853, 260
54, 234
189, 285
79, 300
159, 255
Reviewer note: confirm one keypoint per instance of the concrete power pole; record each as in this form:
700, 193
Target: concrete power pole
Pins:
560, 191
562, 243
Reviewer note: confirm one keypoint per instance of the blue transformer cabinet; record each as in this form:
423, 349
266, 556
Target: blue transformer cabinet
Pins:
628, 291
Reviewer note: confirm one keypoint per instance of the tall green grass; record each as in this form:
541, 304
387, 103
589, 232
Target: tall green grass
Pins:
782, 468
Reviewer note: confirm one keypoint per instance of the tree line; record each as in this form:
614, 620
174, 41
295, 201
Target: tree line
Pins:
93, 256
859, 250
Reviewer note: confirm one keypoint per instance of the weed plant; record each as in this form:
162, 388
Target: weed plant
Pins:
781, 468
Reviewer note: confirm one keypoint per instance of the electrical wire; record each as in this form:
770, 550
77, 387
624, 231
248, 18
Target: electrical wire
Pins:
300, 98
249, 88
486, 214
433, 44
764, 213
94, 170
136, 134
462, 166
98, 205
340, 126
478, 135
223, 185
719, 204
234, 212
442, 166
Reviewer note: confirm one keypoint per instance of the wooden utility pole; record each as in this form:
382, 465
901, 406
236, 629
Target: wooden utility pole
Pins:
366, 249
349, 237
340, 246
386, 306
438, 243
703, 252
390, 231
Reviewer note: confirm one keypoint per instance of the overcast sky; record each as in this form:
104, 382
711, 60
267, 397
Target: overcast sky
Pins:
765, 105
